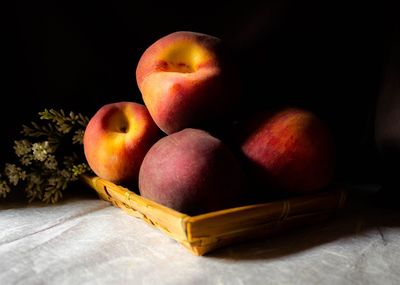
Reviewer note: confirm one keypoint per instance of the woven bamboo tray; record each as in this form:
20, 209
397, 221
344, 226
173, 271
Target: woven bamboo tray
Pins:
203, 233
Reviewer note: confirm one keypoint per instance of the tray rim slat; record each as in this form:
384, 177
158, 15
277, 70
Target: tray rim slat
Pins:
180, 226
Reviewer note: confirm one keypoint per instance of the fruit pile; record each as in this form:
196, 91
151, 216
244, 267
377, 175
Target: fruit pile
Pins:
172, 149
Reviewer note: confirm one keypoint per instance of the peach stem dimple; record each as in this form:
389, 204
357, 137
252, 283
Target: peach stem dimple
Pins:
123, 129
180, 67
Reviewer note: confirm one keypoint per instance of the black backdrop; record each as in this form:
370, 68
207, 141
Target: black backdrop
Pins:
327, 56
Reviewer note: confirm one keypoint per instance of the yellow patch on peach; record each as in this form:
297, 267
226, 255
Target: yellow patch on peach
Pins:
184, 56
109, 157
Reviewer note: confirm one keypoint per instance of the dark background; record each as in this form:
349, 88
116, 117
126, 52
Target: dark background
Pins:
330, 57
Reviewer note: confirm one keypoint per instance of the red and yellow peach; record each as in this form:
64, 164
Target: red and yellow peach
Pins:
116, 140
290, 149
187, 80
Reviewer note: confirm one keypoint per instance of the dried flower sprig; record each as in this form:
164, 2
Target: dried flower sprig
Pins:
48, 158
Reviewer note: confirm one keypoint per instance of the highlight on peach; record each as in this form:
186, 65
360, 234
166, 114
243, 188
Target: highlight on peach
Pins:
187, 80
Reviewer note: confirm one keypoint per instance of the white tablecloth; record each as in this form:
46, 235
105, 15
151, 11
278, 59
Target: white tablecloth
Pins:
84, 240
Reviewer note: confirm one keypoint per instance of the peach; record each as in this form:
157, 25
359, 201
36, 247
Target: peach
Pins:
116, 140
187, 79
290, 149
192, 172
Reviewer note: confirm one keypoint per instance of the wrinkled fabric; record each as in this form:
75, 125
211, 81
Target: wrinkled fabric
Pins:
85, 240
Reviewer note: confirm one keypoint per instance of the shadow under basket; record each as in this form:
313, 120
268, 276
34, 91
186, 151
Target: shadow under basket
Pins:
203, 233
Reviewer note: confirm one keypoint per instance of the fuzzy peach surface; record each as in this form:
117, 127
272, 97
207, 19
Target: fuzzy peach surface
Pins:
293, 149
117, 138
280, 134
185, 82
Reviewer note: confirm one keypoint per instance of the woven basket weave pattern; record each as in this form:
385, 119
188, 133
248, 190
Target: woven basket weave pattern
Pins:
203, 233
